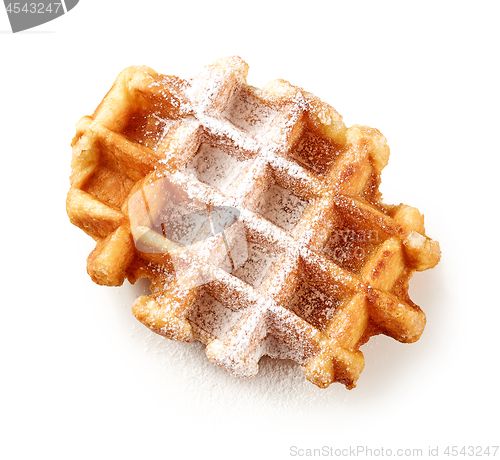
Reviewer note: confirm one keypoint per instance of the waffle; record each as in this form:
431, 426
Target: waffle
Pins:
308, 263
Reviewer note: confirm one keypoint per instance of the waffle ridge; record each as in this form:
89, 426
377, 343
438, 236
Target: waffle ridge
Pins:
328, 264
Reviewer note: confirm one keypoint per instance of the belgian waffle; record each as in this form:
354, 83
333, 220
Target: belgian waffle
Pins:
325, 264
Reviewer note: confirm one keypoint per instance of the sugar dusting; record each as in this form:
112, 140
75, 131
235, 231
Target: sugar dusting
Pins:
249, 113
215, 167
315, 153
148, 130
282, 207
212, 316
314, 306
254, 270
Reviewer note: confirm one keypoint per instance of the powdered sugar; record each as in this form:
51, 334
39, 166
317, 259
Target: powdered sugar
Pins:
258, 263
215, 167
282, 207
249, 113
212, 316
314, 306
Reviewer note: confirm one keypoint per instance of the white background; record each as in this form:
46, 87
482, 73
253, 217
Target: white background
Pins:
81, 378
